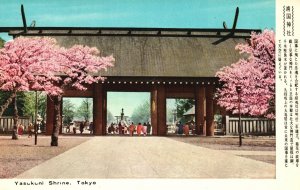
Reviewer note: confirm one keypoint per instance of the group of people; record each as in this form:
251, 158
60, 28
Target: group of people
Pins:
30, 130
184, 129
90, 127
82, 126
123, 129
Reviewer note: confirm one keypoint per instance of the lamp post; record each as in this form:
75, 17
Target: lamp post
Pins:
122, 114
35, 123
238, 89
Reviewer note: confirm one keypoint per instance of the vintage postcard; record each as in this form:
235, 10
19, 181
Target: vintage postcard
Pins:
149, 94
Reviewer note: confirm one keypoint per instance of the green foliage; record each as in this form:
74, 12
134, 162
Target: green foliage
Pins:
20, 103
141, 114
42, 105
110, 118
25, 101
25, 104
183, 105
68, 111
170, 115
29, 106
85, 109
1, 42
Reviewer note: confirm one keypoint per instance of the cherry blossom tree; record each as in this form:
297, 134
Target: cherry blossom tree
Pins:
39, 64
79, 65
255, 73
26, 64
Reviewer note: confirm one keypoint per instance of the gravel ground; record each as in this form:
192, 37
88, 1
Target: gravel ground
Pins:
249, 144
17, 156
231, 143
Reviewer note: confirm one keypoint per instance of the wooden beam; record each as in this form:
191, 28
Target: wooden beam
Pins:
128, 87
200, 110
78, 93
98, 109
188, 95
61, 118
235, 20
161, 111
209, 111
23, 18
104, 111
154, 110
233, 29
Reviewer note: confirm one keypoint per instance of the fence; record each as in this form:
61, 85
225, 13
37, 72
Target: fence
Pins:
7, 123
250, 126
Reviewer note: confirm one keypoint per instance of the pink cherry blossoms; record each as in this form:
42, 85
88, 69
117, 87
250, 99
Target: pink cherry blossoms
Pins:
26, 64
81, 65
40, 64
255, 74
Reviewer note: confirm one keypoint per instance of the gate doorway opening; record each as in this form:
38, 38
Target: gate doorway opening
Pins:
77, 116
180, 116
125, 108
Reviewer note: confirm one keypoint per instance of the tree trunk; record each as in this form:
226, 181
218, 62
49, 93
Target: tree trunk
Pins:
57, 120
16, 118
6, 104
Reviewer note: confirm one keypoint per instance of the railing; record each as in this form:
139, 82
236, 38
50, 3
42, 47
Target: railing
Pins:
250, 126
7, 123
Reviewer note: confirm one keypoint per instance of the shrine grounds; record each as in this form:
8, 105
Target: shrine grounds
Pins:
18, 156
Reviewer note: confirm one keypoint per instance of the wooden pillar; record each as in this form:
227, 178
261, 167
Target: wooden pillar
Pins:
50, 116
209, 111
161, 111
104, 111
154, 110
158, 110
200, 110
98, 110
61, 114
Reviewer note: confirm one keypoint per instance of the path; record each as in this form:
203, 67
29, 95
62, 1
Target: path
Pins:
147, 157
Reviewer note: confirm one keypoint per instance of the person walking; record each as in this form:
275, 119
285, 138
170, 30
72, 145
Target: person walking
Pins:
68, 128
131, 129
186, 129
180, 128
148, 128
91, 128
20, 130
144, 129
139, 129
81, 127
30, 130
109, 129
120, 127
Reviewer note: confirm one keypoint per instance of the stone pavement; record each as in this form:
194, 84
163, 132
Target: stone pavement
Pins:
147, 157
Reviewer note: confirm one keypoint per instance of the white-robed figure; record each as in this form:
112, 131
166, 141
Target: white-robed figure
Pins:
144, 129
124, 126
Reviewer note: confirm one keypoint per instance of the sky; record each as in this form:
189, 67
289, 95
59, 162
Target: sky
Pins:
127, 100
253, 14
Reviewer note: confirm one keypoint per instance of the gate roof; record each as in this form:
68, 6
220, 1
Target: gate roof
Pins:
157, 52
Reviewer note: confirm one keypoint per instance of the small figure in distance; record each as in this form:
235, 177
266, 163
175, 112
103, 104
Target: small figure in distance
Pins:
81, 127
139, 129
186, 129
30, 130
131, 129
